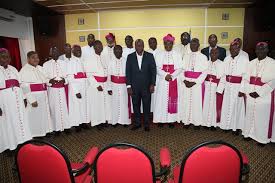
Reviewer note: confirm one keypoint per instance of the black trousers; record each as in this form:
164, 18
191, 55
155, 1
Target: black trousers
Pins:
144, 96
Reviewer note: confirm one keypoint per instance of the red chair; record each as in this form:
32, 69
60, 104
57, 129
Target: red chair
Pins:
222, 163
43, 162
127, 163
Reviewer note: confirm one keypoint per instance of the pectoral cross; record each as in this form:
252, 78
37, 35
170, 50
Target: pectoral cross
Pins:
211, 79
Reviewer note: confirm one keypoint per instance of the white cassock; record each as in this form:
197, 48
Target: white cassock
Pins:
77, 84
241, 52
183, 49
233, 108
108, 54
166, 93
58, 95
99, 107
191, 99
127, 51
154, 52
87, 52
120, 99
34, 86
14, 126
62, 57
212, 100
258, 111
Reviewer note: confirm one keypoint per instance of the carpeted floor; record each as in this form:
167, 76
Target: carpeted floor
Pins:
178, 140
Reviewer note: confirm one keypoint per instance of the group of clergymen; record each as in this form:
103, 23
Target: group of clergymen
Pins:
95, 85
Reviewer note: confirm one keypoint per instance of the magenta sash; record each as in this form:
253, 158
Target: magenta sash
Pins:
195, 75
66, 88
118, 79
122, 80
100, 79
10, 83
80, 75
257, 81
38, 87
212, 78
233, 79
173, 91
219, 97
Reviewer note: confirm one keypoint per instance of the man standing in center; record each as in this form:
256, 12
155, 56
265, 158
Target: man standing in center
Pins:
169, 66
141, 80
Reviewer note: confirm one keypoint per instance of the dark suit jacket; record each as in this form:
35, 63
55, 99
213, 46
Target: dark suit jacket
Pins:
222, 52
144, 77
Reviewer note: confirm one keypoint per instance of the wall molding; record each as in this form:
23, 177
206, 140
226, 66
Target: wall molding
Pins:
153, 27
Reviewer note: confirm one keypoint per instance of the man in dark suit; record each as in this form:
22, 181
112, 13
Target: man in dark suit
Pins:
141, 80
212, 40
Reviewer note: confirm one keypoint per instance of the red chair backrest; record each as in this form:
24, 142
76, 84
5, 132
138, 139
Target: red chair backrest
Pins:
42, 163
130, 165
221, 164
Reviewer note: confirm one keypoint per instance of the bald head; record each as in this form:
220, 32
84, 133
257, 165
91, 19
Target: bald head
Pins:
139, 46
77, 51
185, 38
4, 57
212, 40
261, 50
129, 41
98, 47
54, 52
118, 51
194, 44
91, 39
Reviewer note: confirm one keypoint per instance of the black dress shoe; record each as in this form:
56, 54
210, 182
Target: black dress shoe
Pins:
116, 125
160, 125
78, 129
186, 126
247, 139
85, 126
197, 127
57, 133
147, 129
212, 128
171, 125
260, 144
99, 127
67, 131
135, 127
236, 132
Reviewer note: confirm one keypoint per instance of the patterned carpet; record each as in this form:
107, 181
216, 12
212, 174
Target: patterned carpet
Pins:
178, 140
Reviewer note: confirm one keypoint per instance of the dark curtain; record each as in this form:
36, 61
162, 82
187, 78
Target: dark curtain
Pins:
12, 45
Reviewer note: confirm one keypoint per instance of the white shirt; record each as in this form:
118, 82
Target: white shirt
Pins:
139, 58
127, 51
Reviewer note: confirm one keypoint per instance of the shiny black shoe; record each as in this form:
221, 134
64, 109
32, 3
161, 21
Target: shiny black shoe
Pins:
186, 126
78, 129
135, 127
160, 125
212, 128
67, 131
171, 125
197, 127
147, 128
99, 127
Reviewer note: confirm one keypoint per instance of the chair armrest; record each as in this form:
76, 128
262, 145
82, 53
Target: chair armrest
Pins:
165, 162
81, 170
246, 167
90, 156
165, 158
